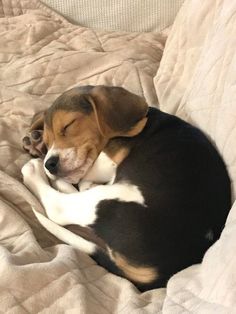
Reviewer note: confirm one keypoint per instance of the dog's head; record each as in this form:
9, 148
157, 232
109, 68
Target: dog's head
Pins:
80, 123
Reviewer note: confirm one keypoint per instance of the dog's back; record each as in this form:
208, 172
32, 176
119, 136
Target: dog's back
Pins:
187, 196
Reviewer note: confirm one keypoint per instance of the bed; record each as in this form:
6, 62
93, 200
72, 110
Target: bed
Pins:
190, 73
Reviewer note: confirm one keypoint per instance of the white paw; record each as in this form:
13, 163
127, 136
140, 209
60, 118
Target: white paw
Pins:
34, 167
33, 174
36, 180
27, 169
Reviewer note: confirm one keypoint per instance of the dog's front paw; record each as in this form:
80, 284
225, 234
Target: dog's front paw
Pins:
34, 145
34, 175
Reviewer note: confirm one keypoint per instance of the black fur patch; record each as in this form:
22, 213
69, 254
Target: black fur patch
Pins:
187, 192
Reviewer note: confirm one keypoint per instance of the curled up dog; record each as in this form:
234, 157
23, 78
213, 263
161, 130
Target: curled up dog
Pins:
152, 187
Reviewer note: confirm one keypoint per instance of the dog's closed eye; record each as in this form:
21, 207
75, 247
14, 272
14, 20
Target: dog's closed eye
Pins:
64, 129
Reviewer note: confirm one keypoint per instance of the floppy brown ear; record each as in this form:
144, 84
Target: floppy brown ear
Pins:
118, 111
37, 122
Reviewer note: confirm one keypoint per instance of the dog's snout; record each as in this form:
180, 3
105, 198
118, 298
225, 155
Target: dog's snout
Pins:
52, 164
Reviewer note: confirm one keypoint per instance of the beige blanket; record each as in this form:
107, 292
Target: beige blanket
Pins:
42, 55
197, 81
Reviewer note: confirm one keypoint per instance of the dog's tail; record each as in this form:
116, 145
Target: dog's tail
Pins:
65, 235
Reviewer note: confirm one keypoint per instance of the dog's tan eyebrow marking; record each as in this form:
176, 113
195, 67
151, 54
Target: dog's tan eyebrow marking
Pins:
62, 119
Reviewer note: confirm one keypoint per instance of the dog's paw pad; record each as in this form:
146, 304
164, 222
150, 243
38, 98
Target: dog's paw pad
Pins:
36, 135
34, 145
26, 141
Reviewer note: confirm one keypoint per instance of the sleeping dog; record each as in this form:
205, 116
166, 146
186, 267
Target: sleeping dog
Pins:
162, 191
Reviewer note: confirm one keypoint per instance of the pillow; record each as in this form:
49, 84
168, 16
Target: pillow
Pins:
136, 16
196, 78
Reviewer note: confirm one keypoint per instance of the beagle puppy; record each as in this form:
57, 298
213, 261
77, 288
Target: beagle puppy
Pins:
162, 190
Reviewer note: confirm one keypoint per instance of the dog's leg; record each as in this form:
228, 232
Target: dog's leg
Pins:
63, 234
76, 208
62, 186
67, 236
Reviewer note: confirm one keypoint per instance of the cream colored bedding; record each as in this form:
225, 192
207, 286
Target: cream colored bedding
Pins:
197, 81
42, 55
125, 15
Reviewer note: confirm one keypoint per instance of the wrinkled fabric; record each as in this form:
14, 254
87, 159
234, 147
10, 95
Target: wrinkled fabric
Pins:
197, 82
41, 56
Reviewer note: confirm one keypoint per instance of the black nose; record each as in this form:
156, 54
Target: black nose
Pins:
52, 164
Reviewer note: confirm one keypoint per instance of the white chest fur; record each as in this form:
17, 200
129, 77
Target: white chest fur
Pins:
103, 171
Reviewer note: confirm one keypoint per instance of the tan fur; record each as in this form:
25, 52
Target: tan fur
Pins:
117, 110
137, 128
119, 155
139, 274
83, 130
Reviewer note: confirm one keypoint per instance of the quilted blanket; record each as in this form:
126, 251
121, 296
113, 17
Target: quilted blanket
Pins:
42, 55
197, 81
